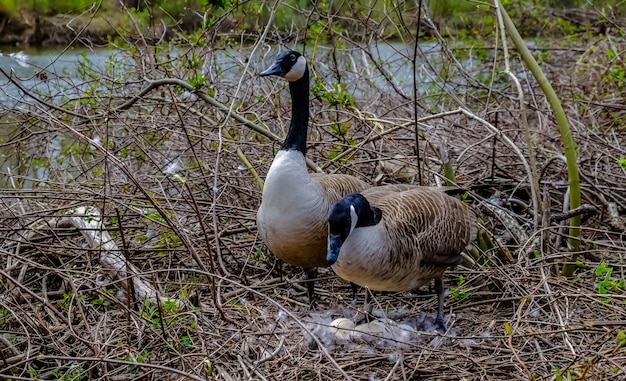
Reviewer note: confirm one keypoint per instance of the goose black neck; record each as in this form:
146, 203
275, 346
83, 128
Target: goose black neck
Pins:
369, 216
296, 137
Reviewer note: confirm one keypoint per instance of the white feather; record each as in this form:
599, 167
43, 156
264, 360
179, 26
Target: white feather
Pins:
297, 71
353, 218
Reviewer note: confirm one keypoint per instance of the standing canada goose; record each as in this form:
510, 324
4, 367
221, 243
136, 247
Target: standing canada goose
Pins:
402, 241
292, 218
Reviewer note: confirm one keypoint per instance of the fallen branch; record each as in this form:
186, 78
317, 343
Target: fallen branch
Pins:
583, 209
88, 221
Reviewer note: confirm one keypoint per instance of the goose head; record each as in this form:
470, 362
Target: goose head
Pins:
351, 212
292, 66
289, 64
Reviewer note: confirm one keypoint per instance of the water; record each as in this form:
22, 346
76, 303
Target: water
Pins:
57, 72
57, 76
51, 72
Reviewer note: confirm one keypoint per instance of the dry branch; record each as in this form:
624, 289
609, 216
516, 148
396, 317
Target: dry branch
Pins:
168, 157
584, 209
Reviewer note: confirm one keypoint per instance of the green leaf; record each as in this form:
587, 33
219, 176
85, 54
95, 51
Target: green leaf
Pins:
611, 53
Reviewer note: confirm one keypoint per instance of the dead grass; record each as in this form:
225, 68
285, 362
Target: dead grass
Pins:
180, 205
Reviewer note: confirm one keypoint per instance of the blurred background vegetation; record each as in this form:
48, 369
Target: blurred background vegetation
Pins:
454, 18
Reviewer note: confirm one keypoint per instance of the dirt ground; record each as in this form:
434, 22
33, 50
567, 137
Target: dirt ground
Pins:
130, 252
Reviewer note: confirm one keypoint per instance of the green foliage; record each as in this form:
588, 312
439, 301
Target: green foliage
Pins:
463, 18
621, 162
67, 299
464, 197
219, 4
59, 6
458, 292
449, 8
208, 365
4, 313
197, 80
75, 373
259, 256
564, 27
340, 129
452, 14
150, 312
620, 339
139, 358
618, 74
170, 10
606, 285
337, 95
560, 376
169, 314
100, 301
9, 6
72, 373
175, 10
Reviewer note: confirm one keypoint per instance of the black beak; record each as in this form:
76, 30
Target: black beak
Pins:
334, 246
275, 69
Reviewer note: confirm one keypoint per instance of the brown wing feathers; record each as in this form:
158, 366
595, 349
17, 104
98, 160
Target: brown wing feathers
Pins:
338, 185
430, 223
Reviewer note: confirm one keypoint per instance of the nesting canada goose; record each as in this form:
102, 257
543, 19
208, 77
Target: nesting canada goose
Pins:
400, 241
292, 218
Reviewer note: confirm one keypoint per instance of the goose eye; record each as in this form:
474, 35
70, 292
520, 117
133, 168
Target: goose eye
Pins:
292, 57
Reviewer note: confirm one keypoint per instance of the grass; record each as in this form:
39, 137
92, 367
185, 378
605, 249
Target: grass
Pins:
465, 19
50, 6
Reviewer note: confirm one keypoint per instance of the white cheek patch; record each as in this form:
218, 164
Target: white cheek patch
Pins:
353, 218
297, 71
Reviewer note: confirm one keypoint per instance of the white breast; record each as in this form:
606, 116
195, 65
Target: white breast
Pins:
291, 219
286, 181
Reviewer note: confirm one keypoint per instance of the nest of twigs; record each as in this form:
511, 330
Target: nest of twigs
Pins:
128, 240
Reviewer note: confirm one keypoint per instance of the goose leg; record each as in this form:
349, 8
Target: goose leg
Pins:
279, 266
367, 309
309, 279
440, 323
355, 288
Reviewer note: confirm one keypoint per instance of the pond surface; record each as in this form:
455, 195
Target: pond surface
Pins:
29, 65
67, 65
59, 75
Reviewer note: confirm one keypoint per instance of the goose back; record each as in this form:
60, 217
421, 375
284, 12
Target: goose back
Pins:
421, 233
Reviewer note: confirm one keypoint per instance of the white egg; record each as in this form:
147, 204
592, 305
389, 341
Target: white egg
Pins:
342, 327
373, 327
